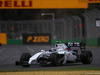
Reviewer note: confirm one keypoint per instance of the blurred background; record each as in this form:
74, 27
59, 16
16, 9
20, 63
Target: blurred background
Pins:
65, 25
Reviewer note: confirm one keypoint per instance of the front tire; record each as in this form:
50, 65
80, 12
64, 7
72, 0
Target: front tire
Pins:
24, 59
86, 57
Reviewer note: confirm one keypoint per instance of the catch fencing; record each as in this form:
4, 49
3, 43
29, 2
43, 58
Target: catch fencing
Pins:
65, 28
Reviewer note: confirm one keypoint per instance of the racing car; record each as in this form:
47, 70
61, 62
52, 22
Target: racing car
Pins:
61, 54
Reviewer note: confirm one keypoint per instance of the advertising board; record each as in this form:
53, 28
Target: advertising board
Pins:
37, 38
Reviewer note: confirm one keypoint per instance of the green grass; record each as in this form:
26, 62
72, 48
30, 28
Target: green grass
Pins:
62, 69
93, 46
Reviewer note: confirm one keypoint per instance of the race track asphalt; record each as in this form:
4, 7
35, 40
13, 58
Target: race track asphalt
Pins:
11, 53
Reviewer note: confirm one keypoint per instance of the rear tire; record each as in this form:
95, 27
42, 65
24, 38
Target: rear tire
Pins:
86, 57
24, 59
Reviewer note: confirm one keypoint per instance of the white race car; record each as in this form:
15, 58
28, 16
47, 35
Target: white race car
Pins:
59, 55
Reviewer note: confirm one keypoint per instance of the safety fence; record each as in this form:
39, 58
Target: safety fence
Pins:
69, 28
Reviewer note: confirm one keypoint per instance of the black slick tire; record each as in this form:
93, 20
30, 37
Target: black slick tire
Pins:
24, 59
86, 57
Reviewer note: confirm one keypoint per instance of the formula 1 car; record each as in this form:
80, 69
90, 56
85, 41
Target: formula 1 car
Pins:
59, 55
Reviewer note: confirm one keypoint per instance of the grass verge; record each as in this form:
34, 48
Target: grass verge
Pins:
62, 69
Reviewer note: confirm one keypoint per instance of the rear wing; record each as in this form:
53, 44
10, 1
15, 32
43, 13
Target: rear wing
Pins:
76, 44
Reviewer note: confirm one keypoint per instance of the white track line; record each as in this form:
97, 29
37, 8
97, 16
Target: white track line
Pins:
2, 50
30, 49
